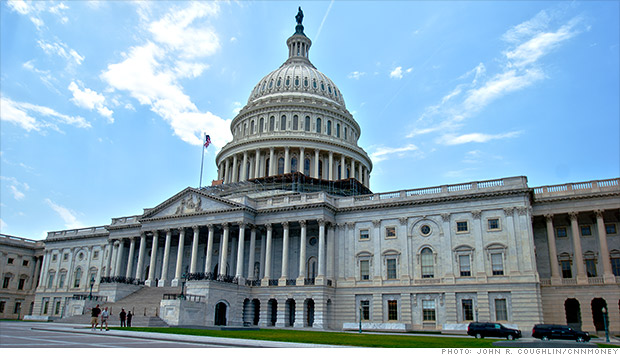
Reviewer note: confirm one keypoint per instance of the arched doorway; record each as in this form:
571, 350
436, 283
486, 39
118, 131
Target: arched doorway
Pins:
329, 311
247, 312
272, 310
573, 313
220, 313
290, 310
597, 305
256, 311
309, 312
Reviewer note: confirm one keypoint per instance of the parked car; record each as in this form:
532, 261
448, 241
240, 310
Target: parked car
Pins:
556, 331
481, 330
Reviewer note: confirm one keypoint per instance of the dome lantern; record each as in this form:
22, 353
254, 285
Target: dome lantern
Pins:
298, 44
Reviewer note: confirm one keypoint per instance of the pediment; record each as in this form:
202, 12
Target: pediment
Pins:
187, 202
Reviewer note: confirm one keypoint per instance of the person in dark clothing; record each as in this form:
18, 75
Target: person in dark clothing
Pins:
129, 316
94, 317
123, 316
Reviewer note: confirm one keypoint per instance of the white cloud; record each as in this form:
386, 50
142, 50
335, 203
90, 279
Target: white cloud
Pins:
34, 10
318, 32
90, 99
356, 75
383, 153
3, 225
450, 139
237, 107
23, 114
68, 216
62, 50
17, 188
398, 72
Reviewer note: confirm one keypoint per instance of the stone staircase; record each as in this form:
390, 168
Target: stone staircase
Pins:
143, 304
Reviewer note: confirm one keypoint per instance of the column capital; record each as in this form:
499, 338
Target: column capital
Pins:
321, 222
509, 211
168, 231
302, 223
226, 225
210, 226
195, 226
351, 225
271, 149
376, 222
599, 213
549, 217
181, 231
269, 227
285, 224
116, 244
445, 217
155, 233
476, 214
403, 220
241, 224
573, 215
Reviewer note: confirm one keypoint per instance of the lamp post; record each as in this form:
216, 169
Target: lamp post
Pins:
605, 319
476, 310
92, 282
360, 319
184, 276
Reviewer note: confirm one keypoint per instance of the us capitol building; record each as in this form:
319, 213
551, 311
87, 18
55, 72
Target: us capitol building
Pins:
290, 235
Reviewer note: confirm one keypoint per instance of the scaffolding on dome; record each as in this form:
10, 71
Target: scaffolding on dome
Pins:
295, 182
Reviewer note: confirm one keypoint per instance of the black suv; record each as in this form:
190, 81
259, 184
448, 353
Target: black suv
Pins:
555, 331
481, 330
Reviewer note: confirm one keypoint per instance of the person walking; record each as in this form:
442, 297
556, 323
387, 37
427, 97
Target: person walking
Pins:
123, 316
104, 319
129, 316
94, 317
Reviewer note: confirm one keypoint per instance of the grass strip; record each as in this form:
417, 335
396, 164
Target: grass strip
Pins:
330, 338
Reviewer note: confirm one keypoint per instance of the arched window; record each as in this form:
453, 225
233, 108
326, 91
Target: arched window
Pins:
307, 124
295, 123
312, 267
338, 130
318, 125
281, 166
283, 123
307, 166
252, 126
261, 125
293, 165
78, 277
267, 167
272, 123
345, 133
427, 263
329, 128
245, 129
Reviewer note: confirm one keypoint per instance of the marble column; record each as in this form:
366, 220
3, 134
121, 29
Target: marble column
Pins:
119, 258
240, 251
164, 264
227, 171
302, 253
343, 168
209, 250
352, 168
287, 160
360, 173
132, 250
267, 276
244, 167
316, 164
224, 254
141, 253
252, 254
194, 258
321, 273
151, 280
44, 268
235, 169
301, 164
110, 250
257, 164
263, 246
330, 173
285, 242
608, 275
578, 254
553, 253
179, 268
271, 157
37, 272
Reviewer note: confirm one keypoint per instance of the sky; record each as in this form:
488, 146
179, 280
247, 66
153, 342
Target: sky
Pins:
104, 104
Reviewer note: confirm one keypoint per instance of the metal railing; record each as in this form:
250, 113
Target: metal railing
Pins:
89, 297
291, 282
273, 282
120, 280
180, 296
309, 281
252, 283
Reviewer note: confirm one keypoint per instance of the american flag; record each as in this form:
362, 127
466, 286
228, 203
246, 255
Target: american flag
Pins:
207, 140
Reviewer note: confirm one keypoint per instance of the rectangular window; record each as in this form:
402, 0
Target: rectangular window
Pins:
610, 228
65, 256
61, 280
390, 232
468, 309
428, 264
5, 283
365, 309
392, 310
464, 266
307, 124
428, 310
566, 271
57, 308
461, 227
497, 263
586, 231
17, 308
25, 263
50, 281
20, 285
364, 269
2, 305
96, 254
364, 234
591, 267
46, 305
54, 257
391, 269
493, 224
560, 232
501, 313
10, 261
615, 266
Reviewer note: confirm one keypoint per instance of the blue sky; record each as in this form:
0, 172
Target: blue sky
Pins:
103, 103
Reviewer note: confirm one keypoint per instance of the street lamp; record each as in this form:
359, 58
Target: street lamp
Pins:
606, 325
360, 319
92, 282
184, 276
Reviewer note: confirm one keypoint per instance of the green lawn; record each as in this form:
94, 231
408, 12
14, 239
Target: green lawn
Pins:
332, 338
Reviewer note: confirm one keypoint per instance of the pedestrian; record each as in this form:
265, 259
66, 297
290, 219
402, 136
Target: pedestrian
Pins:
123, 316
104, 319
129, 316
94, 317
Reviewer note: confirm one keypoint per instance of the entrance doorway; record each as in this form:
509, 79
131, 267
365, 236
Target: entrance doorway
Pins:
597, 305
573, 313
220, 313
309, 312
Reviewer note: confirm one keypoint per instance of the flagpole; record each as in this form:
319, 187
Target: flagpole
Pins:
202, 161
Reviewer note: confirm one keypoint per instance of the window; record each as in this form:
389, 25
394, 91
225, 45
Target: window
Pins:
464, 265
364, 269
591, 267
428, 310
272, 122
65, 256
426, 259
493, 224
281, 166
338, 130
61, 279
307, 124
5, 283
497, 263
96, 254
566, 271
17, 308
57, 308
586, 231
392, 310
252, 126
461, 227
468, 309
283, 123
78, 277
364, 234
50, 280
501, 313
10, 261
22, 282
615, 265
46, 305
54, 257
293, 165
295, 123
329, 128
25, 263
318, 125
2, 305
425, 230
560, 232
610, 228
307, 166
365, 304
261, 125
390, 232
345, 133
391, 269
